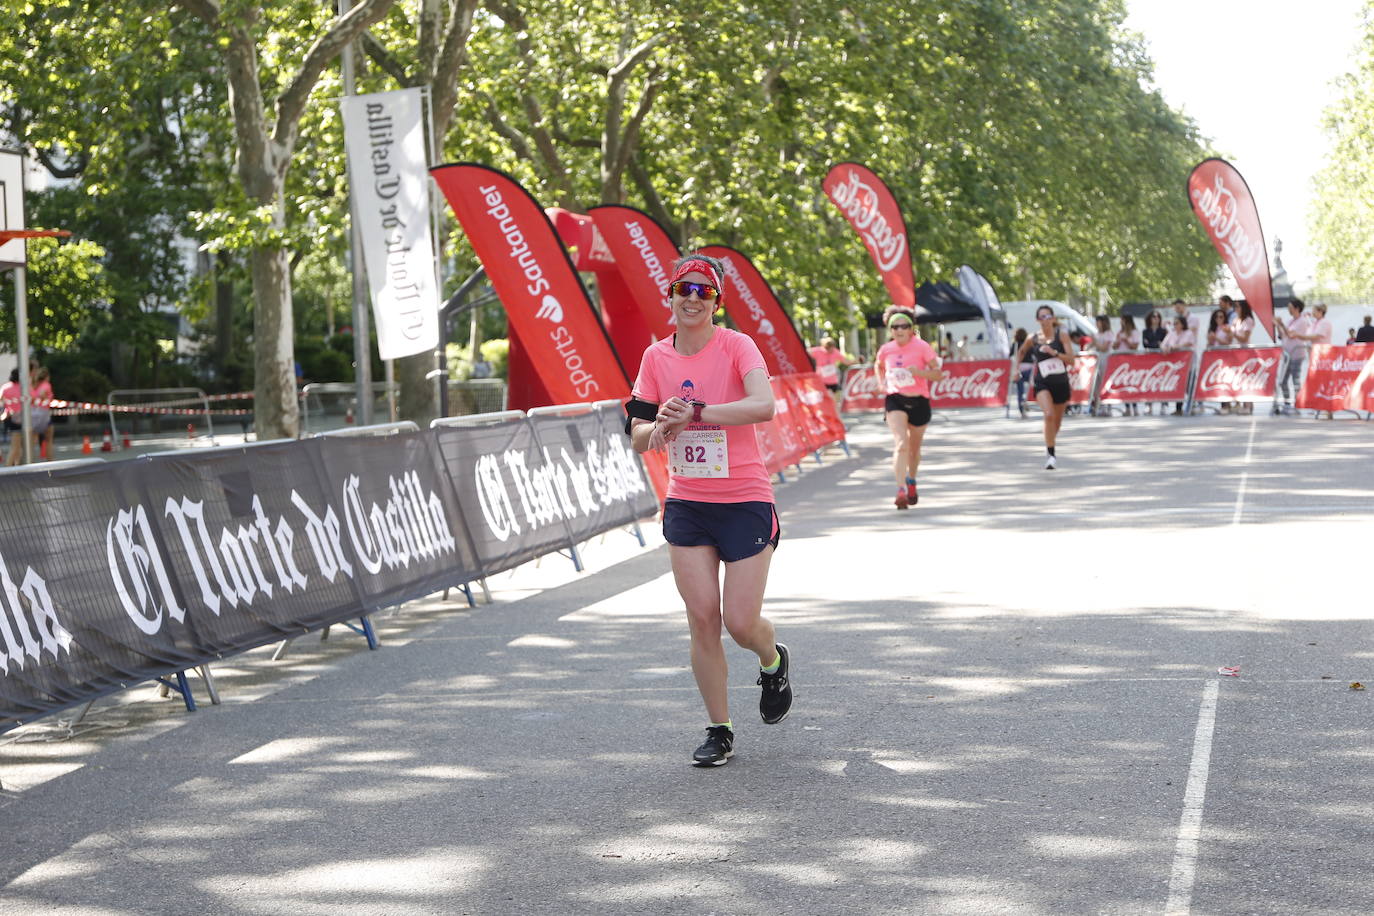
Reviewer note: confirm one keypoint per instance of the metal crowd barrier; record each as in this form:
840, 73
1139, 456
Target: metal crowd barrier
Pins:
195, 394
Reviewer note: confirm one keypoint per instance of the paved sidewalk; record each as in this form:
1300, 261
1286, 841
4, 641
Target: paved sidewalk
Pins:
1002, 706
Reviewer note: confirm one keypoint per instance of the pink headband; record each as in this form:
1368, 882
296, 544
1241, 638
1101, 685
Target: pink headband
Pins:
703, 266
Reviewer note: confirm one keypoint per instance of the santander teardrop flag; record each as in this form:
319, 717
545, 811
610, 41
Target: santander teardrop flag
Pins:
530, 271
1222, 201
644, 256
751, 305
873, 212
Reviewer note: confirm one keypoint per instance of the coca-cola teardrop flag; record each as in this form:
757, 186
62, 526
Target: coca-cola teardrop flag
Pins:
530, 271
751, 305
871, 209
1222, 201
644, 256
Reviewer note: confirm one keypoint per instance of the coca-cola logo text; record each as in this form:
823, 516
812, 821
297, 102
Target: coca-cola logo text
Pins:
860, 205
1159, 378
978, 385
1220, 211
1254, 376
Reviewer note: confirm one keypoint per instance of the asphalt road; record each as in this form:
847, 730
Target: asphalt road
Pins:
1008, 700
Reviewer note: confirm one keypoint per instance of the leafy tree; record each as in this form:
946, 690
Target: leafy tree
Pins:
1343, 210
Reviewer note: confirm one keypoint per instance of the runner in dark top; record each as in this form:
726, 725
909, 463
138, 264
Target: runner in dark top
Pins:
1051, 352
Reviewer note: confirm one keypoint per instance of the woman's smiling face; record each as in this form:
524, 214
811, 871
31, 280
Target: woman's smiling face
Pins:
691, 310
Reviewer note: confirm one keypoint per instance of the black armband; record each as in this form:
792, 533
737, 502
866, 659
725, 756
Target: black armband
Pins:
635, 409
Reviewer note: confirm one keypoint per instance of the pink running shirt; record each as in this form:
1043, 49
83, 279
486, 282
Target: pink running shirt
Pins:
827, 364
917, 354
713, 376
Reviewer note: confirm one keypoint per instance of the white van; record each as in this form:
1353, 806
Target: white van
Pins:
1019, 315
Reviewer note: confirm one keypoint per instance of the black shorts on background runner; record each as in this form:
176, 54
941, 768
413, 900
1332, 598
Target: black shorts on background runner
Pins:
916, 407
1056, 385
738, 531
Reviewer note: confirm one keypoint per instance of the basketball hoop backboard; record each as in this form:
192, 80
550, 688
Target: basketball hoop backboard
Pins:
11, 207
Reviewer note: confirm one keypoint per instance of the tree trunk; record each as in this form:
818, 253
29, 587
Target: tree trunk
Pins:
276, 410
418, 399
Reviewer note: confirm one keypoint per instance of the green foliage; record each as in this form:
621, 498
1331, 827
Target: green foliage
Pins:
497, 353
1343, 211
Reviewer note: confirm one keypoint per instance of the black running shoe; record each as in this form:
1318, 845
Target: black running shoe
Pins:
717, 749
776, 700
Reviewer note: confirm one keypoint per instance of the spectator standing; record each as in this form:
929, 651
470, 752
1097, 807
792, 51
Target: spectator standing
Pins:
1127, 341
1227, 305
1181, 311
1023, 370
1181, 337
1242, 325
1152, 338
1366, 332
1218, 330
10, 396
1295, 337
40, 414
1350, 337
1321, 325
1104, 338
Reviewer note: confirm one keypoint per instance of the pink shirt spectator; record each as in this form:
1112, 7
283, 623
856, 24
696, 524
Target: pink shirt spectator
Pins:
1103, 340
1221, 337
1174, 341
1241, 329
9, 396
1127, 340
898, 361
1322, 328
713, 376
1291, 344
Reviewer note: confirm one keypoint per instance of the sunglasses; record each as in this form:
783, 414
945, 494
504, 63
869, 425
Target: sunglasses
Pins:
703, 291
900, 327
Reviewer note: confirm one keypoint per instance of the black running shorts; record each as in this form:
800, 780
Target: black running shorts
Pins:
1056, 385
738, 531
916, 408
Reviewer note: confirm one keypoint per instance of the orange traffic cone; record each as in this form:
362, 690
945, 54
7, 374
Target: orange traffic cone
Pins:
125, 443
85, 445
348, 417
190, 430
106, 444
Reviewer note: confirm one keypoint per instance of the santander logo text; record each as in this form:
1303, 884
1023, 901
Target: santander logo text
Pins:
859, 203
1256, 374
1221, 213
539, 287
764, 326
1160, 378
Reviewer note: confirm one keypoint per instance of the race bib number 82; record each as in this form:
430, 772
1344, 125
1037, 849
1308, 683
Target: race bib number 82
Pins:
699, 453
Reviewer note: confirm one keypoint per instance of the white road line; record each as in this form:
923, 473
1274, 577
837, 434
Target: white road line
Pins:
1245, 472
1190, 823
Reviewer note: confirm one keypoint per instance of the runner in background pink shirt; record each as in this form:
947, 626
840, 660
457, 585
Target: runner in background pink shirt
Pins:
905, 367
698, 396
828, 358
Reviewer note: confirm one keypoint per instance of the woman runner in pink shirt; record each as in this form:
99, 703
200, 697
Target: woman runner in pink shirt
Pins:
698, 395
905, 367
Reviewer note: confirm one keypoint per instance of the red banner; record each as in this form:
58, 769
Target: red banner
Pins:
871, 209
644, 256
1082, 373
823, 424
980, 383
1143, 377
861, 390
1338, 378
751, 305
1222, 200
1248, 374
531, 274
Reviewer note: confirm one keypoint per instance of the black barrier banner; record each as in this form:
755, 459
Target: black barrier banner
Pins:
543, 484
116, 573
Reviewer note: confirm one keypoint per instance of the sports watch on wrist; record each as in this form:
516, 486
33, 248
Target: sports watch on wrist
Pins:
696, 411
